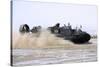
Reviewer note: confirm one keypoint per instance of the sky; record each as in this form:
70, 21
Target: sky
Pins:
48, 14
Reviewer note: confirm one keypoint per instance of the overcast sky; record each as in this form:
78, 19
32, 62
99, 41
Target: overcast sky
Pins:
48, 14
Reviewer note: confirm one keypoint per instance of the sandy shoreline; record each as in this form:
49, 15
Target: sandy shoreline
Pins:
56, 55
